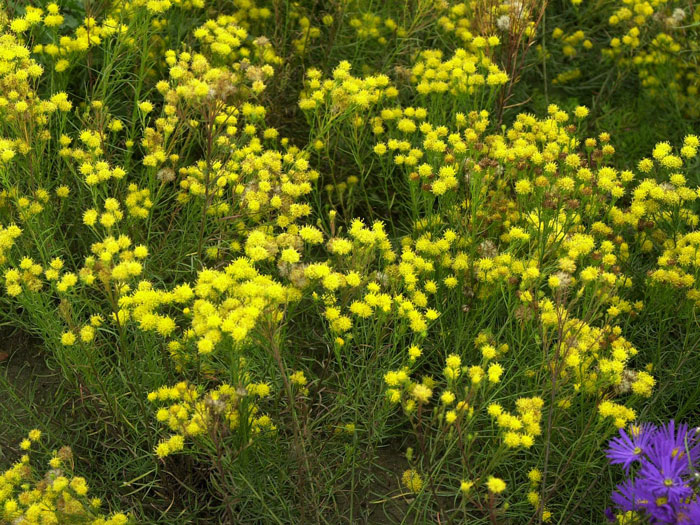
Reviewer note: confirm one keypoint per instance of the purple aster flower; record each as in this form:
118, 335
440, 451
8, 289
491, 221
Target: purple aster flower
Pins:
678, 441
663, 513
690, 513
661, 474
628, 448
662, 487
683, 442
666, 465
630, 496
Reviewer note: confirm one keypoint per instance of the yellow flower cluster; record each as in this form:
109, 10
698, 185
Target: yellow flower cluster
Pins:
412, 481
463, 73
113, 259
66, 50
8, 237
473, 22
678, 265
369, 25
345, 91
228, 43
521, 429
263, 184
23, 111
570, 42
28, 274
24, 207
219, 309
53, 497
90, 161
648, 38
191, 413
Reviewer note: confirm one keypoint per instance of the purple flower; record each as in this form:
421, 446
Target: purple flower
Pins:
661, 474
663, 513
690, 513
678, 441
628, 448
630, 496
666, 464
661, 488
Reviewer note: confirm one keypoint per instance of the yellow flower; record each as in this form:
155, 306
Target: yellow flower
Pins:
535, 476
523, 187
162, 449
581, 112
495, 485
412, 480
298, 378
90, 217
494, 373
67, 338
488, 351
447, 398
421, 393
453, 361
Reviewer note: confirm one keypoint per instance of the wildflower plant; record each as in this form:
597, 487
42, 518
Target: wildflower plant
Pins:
358, 262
